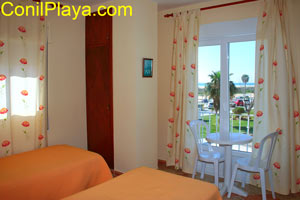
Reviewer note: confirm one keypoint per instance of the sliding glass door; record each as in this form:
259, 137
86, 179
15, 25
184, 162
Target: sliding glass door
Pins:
209, 85
226, 85
242, 75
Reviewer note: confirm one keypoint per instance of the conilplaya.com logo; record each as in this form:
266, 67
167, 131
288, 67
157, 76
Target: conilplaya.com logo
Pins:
9, 8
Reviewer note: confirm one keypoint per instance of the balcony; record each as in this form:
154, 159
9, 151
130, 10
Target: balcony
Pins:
239, 123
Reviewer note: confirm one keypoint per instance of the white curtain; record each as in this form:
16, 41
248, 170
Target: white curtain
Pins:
277, 96
183, 91
22, 83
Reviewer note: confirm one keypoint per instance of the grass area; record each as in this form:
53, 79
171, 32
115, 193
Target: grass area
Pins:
235, 124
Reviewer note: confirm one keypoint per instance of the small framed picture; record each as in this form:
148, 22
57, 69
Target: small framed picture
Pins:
147, 68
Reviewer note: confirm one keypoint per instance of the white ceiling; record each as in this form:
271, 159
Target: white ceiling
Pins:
82, 2
167, 4
162, 4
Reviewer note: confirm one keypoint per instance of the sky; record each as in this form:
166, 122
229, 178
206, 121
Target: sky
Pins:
241, 61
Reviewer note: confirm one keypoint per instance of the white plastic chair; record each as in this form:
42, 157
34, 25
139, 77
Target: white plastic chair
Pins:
204, 157
257, 165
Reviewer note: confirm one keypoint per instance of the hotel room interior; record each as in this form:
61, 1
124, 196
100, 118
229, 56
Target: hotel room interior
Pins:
156, 99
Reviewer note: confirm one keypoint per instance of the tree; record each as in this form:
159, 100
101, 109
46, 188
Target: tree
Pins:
245, 79
212, 89
249, 106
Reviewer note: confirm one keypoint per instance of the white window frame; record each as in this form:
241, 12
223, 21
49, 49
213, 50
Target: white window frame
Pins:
224, 42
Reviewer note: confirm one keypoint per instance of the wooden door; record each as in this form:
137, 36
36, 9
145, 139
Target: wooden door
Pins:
99, 88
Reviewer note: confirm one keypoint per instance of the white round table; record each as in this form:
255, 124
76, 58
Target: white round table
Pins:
227, 141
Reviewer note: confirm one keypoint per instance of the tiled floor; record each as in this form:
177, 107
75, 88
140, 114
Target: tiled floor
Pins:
254, 192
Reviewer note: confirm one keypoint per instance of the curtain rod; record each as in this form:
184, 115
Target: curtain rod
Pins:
218, 6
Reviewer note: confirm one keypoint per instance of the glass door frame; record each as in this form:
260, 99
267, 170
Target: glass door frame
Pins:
224, 69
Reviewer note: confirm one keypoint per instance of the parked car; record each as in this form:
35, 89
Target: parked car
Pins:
200, 107
232, 103
239, 102
247, 98
204, 101
210, 105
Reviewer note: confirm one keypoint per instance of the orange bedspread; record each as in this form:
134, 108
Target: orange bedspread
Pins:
150, 184
50, 173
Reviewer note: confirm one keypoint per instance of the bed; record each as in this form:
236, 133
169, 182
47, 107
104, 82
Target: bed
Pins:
150, 184
51, 173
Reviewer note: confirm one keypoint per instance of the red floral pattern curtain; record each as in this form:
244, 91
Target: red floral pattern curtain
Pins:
183, 91
277, 96
22, 83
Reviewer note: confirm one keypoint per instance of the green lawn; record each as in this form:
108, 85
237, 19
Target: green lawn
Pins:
235, 124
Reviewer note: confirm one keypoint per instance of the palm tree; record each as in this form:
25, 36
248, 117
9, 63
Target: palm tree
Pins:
245, 79
212, 89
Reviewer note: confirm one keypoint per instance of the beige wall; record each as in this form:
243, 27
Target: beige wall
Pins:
66, 67
135, 98
124, 86
146, 88
165, 35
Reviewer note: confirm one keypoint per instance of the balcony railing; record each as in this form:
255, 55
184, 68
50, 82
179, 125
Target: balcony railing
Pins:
239, 123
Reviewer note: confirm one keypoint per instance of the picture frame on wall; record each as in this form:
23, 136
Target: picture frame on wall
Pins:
147, 68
